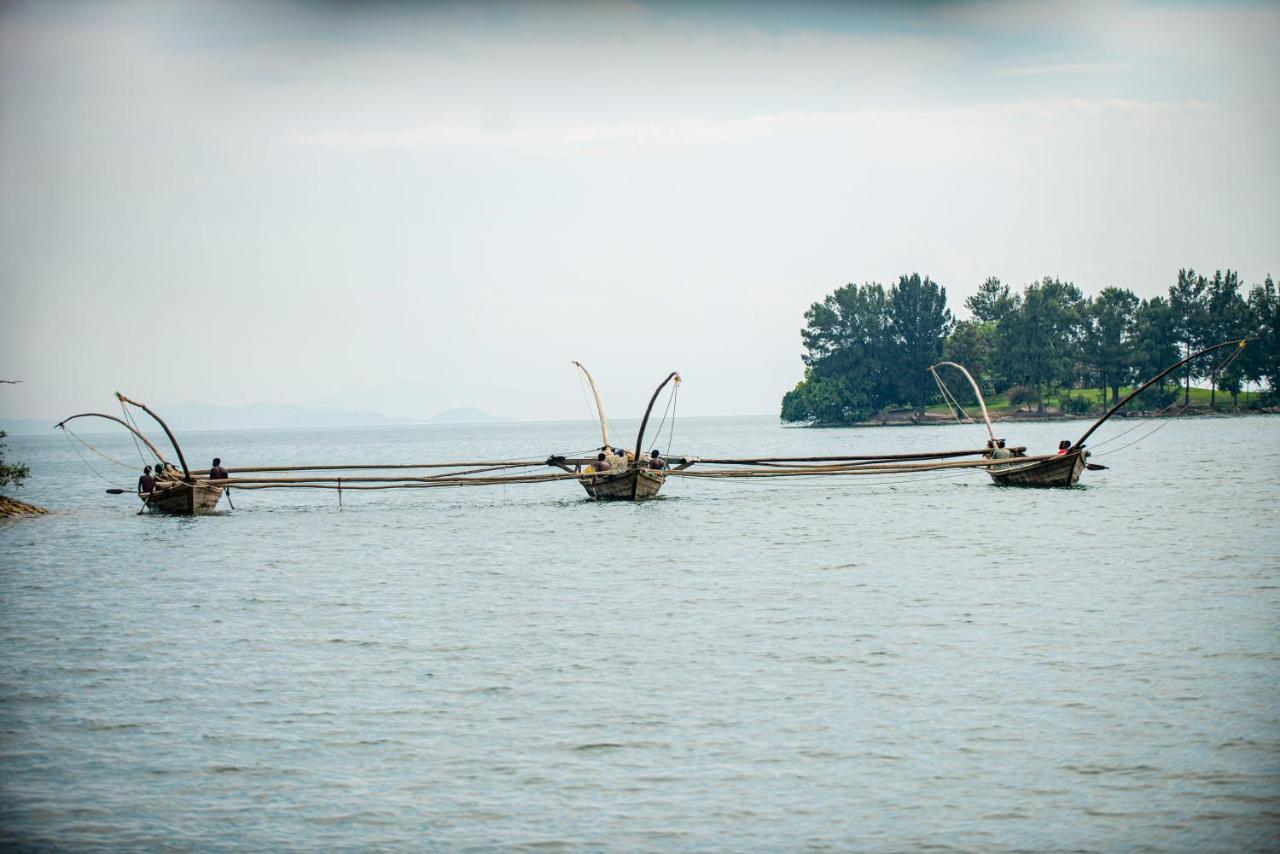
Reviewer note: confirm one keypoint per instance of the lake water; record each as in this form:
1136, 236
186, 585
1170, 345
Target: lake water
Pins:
860, 663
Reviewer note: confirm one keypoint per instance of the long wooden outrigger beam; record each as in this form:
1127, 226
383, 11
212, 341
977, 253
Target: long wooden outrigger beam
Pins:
1239, 342
644, 422
126, 425
604, 421
977, 392
186, 472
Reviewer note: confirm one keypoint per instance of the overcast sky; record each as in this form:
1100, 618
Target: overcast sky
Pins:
413, 207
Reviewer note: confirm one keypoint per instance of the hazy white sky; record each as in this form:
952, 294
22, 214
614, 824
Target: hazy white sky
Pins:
413, 207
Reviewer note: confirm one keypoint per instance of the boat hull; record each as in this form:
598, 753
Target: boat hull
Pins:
631, 485
1063, 470
185, 499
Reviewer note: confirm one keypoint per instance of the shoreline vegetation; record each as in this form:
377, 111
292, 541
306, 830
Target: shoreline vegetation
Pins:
1001, 409
1049, 351
910, 418
13, 474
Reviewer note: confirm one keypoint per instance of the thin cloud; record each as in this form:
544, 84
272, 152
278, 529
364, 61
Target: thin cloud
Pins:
664, 134
1066, 68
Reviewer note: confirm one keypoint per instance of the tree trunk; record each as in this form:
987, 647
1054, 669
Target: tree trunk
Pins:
1186, 396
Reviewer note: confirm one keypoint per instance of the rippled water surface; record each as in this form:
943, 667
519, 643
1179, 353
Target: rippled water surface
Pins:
737, 665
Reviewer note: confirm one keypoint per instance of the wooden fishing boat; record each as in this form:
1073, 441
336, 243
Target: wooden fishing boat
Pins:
634, 480
1063, 470
632, 484
183, 499
176, 492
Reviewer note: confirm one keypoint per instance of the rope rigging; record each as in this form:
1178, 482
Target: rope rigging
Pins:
671, 434
128, 417
657, 435
949, 399
591, 411
109, 459
86, 462
1141, 438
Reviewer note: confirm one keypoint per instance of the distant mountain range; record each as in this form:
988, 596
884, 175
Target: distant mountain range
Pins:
258, 416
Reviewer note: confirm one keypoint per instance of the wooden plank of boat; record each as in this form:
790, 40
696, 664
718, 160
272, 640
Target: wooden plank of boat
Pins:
1063, 470
634, 484
185, 499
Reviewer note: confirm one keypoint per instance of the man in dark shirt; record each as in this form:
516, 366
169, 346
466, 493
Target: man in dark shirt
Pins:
216, 471
656, 461
146, 483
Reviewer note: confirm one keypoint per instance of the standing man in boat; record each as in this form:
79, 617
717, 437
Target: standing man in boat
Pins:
216, 471
146, 483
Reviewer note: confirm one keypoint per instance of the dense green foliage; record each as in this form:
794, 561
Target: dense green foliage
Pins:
11, 473
868, 348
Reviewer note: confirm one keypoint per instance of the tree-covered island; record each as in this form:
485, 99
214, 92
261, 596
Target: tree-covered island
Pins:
868, 348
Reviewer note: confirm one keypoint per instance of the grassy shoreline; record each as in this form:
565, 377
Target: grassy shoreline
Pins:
1001, 409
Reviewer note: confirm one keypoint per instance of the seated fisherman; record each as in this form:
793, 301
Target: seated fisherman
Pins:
146, 483
655, 461
1001, 452
216, 471
602, 462
1063, 446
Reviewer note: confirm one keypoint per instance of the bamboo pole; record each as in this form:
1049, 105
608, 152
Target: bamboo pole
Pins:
604, 422
644, 422
977, 391
376, 466
445, 479
897, 468
924, 455
449, 480
1239, 342
121, 422
186, 472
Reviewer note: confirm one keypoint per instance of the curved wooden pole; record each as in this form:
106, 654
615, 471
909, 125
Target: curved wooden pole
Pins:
604, 422
674, 375
126, 425
977, 391
186, 472
1239, 342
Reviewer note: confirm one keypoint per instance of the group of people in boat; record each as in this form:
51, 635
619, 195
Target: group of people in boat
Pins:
996, 449
619, 460
149, 480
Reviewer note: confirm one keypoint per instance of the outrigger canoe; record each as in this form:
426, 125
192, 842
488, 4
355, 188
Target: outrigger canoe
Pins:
1063, 470
636, 481
183, 499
